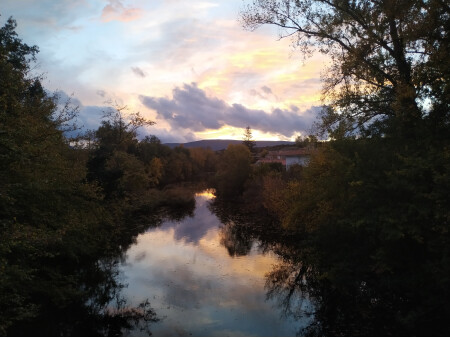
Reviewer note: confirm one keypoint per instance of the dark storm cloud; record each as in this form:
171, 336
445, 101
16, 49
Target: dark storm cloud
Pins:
138, 71
190, 108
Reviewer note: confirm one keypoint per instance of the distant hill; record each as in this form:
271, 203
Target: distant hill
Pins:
223, 144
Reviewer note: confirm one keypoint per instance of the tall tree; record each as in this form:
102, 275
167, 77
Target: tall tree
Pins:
45, 204
248, 139
389, 58
373, 232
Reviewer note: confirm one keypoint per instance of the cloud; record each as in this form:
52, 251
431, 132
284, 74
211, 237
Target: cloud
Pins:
91, 116
100, 93
265, 94
116, 11
166, 136
266, 90
62, 98
193, 229
190, 108
138, 71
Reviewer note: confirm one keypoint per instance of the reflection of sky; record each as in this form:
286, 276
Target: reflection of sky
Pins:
192, 282
192, 229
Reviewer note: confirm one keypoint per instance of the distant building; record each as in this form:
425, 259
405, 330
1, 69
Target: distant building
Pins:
287, 157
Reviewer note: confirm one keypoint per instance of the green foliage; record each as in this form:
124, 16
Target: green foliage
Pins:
203, 161
370, 213
45, 205
177, 166
390, 64
155, 171
54, 227
308, 141
370, 209
233, 171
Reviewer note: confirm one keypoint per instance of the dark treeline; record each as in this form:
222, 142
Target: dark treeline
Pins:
365, 225
362, 229
69, 207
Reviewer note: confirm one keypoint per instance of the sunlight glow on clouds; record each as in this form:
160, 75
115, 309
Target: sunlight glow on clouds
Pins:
148, 54
191, 108
115, 10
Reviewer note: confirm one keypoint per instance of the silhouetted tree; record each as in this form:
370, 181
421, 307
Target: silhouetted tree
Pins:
248, 140
388, 59
368, 209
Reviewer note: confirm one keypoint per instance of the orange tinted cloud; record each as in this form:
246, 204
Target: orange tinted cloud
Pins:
116, 11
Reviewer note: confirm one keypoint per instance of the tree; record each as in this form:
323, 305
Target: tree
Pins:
151, 147
46, 206
58, 243
308, 141
390, 60
372, 237
155, 171
116, 141
248, 140
119, 130
203, 160
233, 170
368, 209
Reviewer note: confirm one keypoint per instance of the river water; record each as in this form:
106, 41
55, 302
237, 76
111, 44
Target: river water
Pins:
198, 285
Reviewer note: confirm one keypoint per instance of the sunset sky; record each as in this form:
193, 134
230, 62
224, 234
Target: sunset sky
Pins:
187, 65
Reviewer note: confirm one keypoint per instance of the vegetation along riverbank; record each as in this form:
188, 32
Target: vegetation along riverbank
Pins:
358, 213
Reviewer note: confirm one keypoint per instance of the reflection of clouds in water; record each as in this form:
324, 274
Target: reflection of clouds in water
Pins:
183, 287
195, 297
196, 286
194, 228
140, 256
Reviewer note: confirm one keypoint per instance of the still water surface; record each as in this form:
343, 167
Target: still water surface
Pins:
196, 287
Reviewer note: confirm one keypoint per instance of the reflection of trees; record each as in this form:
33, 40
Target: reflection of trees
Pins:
309, 283
338, 299
91, 307
235, 239
236, 230
303, 286
82, 297
108, 313
104, 311
286, 284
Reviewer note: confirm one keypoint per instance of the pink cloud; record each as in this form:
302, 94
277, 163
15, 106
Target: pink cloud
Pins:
116, 11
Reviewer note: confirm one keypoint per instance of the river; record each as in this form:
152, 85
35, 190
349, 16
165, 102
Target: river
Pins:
200, 283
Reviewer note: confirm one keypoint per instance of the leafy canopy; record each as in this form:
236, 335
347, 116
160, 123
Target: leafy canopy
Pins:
389, 59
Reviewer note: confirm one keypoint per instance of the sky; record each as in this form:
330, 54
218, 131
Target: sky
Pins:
189, 66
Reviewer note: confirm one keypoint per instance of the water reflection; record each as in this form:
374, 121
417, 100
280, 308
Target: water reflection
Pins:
191, 229
286, 284
95, 307
235, 239
204, 277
